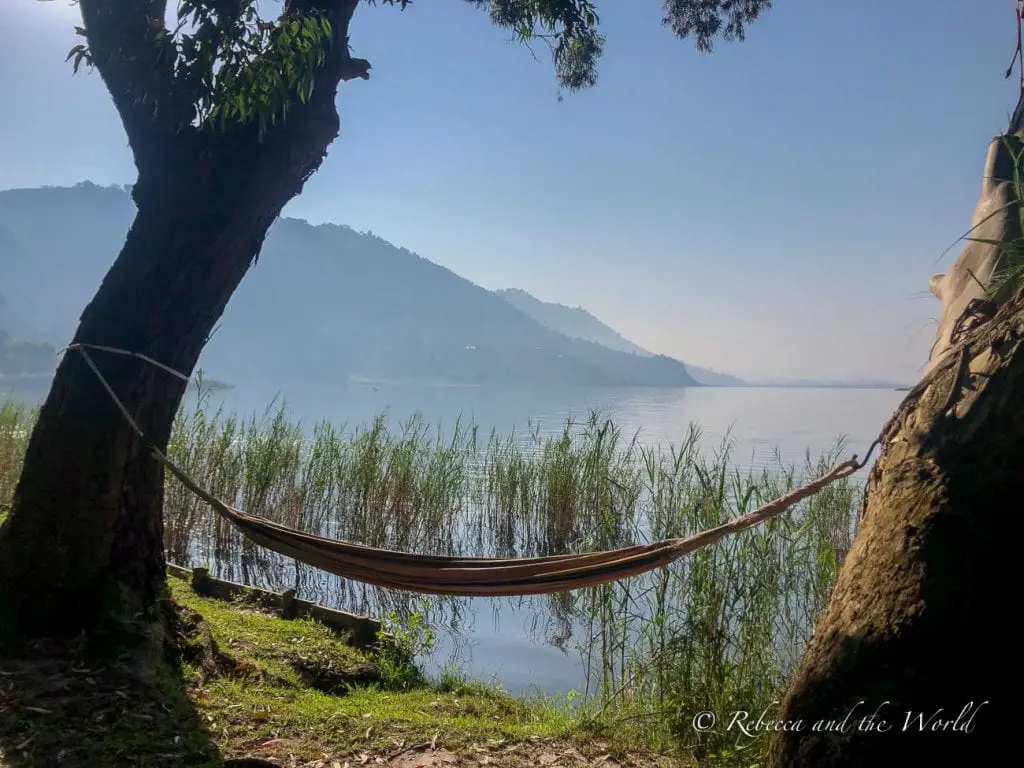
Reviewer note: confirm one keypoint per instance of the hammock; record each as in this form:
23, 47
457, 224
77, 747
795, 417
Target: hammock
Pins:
462, 576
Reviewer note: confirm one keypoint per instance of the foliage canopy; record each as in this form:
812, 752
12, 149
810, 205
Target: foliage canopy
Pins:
231, 61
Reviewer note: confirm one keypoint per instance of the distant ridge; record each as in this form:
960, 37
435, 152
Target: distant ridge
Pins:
578, 323
11, 320
323, 304
574, 322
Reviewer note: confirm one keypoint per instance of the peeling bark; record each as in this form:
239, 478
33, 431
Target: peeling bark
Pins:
917, 622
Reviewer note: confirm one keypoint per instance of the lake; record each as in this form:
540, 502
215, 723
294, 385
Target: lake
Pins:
521, 643
516, 642
758, 420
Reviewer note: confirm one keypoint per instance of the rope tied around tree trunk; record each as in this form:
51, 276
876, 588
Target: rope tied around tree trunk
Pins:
460, 576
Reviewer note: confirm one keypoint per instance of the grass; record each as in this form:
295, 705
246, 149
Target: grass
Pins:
15, 423
249, 684
286, 679
720, 630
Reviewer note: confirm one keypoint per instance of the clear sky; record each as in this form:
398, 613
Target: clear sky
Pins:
774, 209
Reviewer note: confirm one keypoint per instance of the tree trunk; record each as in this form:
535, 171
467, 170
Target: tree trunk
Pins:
84, 540
85, 536
916, 632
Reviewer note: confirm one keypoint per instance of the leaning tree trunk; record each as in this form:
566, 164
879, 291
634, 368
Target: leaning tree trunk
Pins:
915, 642
84, 541
85, 536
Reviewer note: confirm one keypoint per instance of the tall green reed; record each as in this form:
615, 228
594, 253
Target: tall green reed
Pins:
720, 630
16, 422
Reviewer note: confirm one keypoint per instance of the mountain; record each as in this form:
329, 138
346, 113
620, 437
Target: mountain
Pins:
8, 315
578, 323
574, 322
322, 303
831, 384
711, 378
25, 358
11, 319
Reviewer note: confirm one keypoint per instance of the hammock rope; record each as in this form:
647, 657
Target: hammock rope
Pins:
460, 576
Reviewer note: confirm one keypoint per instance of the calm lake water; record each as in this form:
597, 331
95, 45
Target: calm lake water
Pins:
515, 642
757, 420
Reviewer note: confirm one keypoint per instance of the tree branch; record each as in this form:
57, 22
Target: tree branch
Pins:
338, 64
283, 153
134, 53
319, 114
356, 68
704, 20
1017, 120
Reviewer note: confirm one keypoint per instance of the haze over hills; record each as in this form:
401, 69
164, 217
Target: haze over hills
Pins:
9, 318
574, 322
25, 358
830, 384
578, 323
323, 303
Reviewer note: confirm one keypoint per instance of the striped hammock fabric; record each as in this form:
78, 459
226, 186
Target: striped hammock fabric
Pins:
463, 576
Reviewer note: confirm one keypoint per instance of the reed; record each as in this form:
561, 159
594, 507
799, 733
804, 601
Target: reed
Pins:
718, 631
16, 422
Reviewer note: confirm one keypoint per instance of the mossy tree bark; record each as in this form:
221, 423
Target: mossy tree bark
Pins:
917, 627
84, 541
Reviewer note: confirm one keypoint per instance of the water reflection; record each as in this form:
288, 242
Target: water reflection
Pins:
541, 498
758, 420
549, 639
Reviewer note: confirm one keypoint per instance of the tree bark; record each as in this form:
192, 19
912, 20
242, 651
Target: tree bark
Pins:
915, 632
84, 540
85, 536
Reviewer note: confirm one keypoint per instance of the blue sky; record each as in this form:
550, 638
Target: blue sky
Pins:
774, 209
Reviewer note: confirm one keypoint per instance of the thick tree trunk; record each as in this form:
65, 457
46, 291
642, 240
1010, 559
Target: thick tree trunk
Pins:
916, 633
84, 541
85, 537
